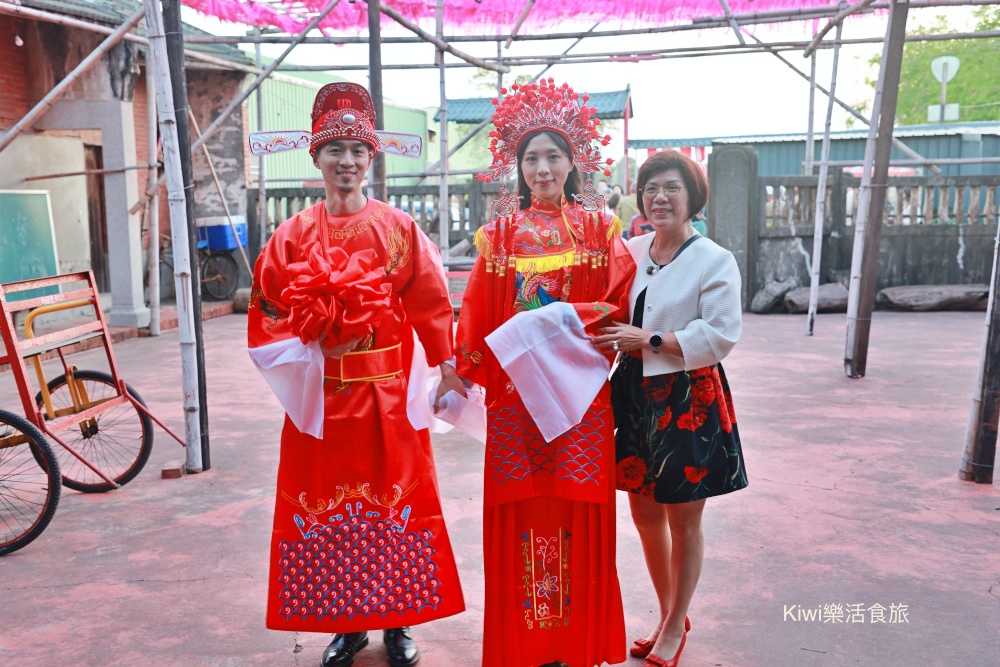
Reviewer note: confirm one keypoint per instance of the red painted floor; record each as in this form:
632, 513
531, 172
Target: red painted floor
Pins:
853, 499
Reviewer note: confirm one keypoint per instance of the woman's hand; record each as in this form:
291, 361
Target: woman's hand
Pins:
449, 382
627, 336
337, 351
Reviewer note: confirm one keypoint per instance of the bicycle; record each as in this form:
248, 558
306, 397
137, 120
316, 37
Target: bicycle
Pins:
218, 271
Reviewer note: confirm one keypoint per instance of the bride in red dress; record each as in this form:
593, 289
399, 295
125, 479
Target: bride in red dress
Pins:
552, 593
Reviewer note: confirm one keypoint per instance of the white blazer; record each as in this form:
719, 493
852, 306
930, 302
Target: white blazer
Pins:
696, 296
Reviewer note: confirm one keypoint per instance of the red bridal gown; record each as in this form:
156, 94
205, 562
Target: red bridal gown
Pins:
359, 542
549, 514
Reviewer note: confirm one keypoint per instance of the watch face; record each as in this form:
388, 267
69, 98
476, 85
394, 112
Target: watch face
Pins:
656, 340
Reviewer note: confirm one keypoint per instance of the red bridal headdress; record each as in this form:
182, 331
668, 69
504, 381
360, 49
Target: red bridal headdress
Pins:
343, 111
544, 106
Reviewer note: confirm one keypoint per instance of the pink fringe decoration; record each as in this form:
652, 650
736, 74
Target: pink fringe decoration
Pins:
490, 15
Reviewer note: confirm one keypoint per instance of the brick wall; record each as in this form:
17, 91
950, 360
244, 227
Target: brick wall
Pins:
139, 112
15, 100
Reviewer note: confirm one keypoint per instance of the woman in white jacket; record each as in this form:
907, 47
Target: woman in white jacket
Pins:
677, 442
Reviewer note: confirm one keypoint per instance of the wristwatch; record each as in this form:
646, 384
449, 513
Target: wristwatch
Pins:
655, 341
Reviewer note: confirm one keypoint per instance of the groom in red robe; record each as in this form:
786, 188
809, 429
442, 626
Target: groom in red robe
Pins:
359, 542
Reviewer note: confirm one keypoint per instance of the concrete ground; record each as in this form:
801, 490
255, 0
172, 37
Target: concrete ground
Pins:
853, 500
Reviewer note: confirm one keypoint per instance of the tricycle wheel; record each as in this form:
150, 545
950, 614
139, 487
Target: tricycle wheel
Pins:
29, 482
117, 442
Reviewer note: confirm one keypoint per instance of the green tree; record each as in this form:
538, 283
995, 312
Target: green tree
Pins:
976, 87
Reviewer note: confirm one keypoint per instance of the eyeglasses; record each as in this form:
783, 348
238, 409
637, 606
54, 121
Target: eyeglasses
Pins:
671, 190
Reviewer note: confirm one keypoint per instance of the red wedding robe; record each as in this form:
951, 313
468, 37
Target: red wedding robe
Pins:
359, 542
549, 520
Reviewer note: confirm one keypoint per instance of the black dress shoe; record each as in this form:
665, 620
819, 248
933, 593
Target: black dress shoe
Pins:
555, 664
400, 646
340, 652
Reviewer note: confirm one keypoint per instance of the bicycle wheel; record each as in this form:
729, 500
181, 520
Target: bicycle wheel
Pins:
29, 482
219, 273
117, 442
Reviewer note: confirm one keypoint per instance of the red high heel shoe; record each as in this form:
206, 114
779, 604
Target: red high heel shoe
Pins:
642, 647
656, 661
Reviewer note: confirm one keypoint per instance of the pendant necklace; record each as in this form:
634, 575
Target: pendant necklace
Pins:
657, 267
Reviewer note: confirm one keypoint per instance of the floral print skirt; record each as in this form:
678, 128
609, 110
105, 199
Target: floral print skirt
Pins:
677, 439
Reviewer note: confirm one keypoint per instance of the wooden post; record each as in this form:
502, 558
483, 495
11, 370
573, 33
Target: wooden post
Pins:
378, 184
628, 173
517, 26
178, 80
261, 163
444, 209
810, 144
179, 231
868, 229
824, 169
981, 436
154, 203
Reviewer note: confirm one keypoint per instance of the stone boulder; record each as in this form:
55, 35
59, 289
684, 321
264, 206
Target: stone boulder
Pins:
241, 300
768, 298
934, 297
832, 299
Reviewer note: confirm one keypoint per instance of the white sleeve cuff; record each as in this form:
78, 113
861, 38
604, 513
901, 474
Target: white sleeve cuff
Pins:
294, 372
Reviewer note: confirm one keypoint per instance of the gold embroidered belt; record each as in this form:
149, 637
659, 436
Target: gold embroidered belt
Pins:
367, 365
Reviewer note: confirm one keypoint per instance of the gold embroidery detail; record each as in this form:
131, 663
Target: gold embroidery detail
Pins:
398, 250
547, 579
266, 306
475, 356
360, 227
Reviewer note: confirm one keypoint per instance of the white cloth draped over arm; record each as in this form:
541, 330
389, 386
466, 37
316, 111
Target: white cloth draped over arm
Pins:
550, 359
421, 385
294, 372
709, 339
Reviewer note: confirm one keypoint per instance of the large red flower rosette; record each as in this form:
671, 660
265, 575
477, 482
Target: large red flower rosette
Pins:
335, 295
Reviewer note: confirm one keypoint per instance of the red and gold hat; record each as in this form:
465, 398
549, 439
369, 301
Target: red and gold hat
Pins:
544, 106
343, 111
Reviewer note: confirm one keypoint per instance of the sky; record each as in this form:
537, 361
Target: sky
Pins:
715, 96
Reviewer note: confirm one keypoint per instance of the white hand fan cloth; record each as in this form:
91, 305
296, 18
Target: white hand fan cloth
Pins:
550, 359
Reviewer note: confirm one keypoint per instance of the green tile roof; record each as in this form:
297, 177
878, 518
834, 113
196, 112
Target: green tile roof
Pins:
474, 110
